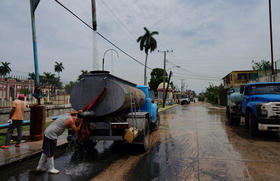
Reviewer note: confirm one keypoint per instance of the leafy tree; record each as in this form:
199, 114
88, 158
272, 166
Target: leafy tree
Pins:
58, 67
262, 65
156, 78
25, 91
68, 87
214, 92
5, 68
83, 72
31, 76
147, 42
173, 86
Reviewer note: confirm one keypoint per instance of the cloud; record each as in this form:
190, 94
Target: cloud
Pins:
210, 38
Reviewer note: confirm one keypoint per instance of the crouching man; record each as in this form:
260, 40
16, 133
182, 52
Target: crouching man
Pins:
51, 134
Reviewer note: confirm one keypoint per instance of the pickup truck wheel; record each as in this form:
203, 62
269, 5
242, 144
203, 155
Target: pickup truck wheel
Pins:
228, 113
231, 119
253, 125
146, 137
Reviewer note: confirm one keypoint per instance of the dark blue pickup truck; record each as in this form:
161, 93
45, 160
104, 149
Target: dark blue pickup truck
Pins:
261, 106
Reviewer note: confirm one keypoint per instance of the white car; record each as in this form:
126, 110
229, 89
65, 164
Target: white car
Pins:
184, 100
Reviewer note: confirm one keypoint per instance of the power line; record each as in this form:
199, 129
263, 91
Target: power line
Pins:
196, 74
117, 18
194, 78
102, 36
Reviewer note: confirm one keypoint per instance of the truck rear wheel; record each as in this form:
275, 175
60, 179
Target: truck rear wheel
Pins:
253, 124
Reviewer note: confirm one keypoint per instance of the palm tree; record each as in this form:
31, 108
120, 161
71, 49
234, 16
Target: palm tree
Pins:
147, 42
58, 67
50, 81
31, 76
5, 68
83, 72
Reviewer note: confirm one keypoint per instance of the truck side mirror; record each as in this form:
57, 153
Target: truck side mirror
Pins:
241, 89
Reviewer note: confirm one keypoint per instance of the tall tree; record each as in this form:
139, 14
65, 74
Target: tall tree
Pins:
58, 67
156, 78
31, 76
5, 68
68, 87
83, 72
261, 65
147, 42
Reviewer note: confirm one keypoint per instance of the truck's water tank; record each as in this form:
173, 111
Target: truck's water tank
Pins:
117, 97
236, 97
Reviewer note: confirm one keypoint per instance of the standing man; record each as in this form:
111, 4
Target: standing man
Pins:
50, 138
16, 115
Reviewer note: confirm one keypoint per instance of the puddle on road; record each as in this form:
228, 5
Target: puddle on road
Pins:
72, 166
198, 144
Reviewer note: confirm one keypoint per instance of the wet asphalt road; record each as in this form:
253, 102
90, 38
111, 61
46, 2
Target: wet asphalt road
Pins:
198, 144
194, 142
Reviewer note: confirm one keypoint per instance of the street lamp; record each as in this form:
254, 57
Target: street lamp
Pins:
103, 60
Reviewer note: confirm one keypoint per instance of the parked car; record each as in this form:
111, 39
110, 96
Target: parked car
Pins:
184, 100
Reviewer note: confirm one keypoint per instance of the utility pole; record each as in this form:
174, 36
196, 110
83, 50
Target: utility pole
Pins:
37, 112
94, 43
166, 91
164, 73
271, 39
33, 6
182, 86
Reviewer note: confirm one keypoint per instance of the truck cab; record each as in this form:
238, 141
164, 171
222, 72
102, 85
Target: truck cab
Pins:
261, 106
150, 107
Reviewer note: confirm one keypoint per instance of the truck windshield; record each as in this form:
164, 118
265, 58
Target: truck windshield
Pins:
264, 89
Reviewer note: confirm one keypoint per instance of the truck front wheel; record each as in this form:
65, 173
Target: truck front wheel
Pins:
253, 124
228, 113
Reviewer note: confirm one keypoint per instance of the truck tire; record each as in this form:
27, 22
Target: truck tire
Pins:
146, 137
234, 120
228, 113
253, 124
231, 119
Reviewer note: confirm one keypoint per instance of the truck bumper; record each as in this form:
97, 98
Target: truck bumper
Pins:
269, 127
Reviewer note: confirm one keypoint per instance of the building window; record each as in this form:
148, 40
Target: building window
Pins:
242, 76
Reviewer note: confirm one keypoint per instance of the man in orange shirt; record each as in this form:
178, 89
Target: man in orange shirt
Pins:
16, 116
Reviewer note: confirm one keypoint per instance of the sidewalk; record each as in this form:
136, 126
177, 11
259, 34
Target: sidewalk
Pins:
32, 149
167, 107
26, 150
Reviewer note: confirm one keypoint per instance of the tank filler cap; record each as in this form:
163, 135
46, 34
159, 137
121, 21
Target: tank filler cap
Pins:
99, 72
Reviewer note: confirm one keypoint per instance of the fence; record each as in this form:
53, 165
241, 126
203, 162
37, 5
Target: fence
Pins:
10, 88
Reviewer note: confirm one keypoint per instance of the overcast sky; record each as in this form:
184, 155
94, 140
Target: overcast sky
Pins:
209, 38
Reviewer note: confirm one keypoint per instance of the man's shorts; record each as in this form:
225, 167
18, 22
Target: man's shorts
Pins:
49, 146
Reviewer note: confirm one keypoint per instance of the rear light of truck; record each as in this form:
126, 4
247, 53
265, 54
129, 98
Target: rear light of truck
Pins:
119, 125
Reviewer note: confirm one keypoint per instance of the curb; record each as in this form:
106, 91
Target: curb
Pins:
29, 156
166, 108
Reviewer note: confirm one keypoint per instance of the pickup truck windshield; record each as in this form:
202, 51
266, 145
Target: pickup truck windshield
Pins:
264, 89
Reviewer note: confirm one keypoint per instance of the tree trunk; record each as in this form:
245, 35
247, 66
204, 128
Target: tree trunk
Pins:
145, 70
